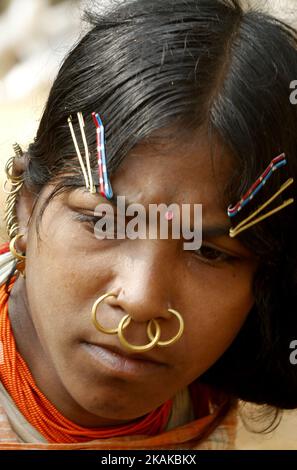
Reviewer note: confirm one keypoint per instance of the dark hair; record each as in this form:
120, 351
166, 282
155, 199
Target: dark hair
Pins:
148, 65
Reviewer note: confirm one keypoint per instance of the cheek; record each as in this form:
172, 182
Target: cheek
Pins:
219, 309
62, 280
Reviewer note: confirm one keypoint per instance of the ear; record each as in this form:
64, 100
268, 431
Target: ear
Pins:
24, 208
25, 203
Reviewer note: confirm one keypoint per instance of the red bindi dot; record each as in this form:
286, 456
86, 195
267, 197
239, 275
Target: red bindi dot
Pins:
169, 215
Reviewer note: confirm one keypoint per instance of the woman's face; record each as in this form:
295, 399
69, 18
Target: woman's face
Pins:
69, 268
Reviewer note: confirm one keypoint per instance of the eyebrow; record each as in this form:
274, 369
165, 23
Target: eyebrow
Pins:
215, 231
211, 231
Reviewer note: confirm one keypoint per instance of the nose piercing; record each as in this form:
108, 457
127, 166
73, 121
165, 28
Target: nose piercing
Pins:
125, 322
174, 338
142, 348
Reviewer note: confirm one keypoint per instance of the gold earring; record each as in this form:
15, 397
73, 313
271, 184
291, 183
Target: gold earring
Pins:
16, 185
18, 150
20, 266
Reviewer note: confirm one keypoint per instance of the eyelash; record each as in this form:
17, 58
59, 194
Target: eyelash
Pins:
86, 218
223, 257
89, 219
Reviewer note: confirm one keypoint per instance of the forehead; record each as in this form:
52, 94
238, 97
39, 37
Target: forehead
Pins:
193, 170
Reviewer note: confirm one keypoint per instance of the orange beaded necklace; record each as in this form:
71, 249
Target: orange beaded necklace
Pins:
41, 413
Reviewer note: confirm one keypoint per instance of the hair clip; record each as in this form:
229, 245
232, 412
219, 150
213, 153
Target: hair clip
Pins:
105, 186
249, 222
276, 163
87, 173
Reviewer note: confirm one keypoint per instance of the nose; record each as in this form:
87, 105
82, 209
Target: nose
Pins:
144, 282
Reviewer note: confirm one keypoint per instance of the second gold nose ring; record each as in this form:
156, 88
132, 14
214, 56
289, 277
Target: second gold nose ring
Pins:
152, 324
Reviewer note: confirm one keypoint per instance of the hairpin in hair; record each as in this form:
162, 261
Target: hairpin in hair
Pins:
276, 163
249, 222
87, 173
105, 186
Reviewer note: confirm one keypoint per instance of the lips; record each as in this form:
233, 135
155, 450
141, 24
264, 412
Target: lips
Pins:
113, 360
144, 357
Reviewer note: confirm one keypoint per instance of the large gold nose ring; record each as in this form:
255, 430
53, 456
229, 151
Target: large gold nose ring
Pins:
174, 338
126, 320
107, 331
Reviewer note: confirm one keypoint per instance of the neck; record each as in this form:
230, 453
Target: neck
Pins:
40, 364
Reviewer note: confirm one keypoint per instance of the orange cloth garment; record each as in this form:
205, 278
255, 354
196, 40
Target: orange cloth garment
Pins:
215, 431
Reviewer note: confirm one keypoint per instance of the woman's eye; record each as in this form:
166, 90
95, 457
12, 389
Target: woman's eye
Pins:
107, 229
211, 254
87, 218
